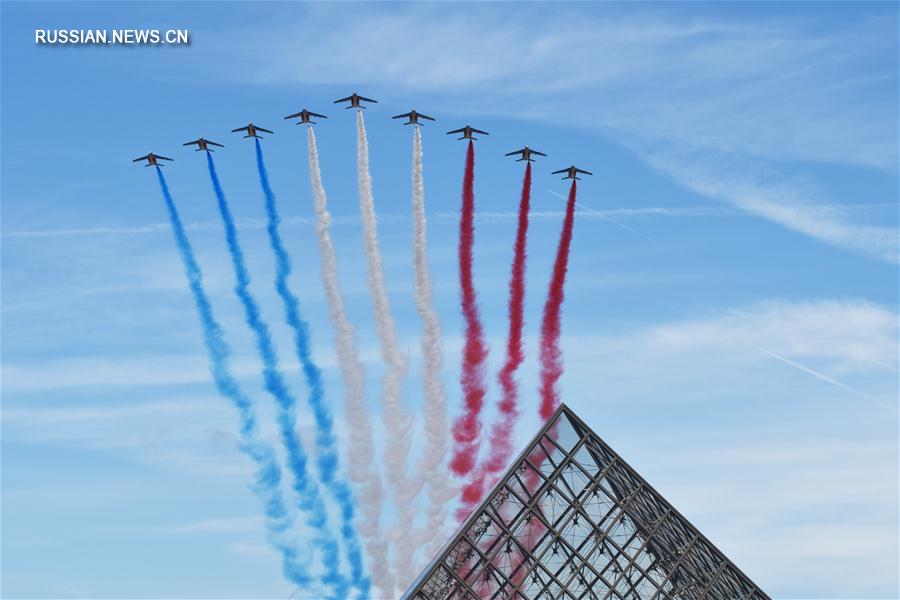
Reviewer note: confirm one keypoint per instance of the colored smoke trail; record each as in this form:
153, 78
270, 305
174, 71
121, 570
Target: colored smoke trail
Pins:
435, 405
397, 421
326, 444
467, 427
310, 502
551, 356
501, 448
279, 521
359, 421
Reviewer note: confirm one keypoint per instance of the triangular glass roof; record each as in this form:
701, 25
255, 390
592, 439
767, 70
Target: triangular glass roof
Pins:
570, 520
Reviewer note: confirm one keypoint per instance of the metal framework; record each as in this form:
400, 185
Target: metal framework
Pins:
570, 520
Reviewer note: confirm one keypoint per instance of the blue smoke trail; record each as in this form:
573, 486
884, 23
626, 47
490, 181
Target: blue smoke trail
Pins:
326, 444
307, 491
268, 474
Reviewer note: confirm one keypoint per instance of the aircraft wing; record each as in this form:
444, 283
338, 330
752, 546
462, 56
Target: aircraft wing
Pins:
538, 153
577, 170
241, 129
367, 99
514, 152
318, 115
164, 157
215, 144
480, 131
295, 115
258, 128
426, 117
560, 171
407, 115
191, 143
141, 158
460, 130
347, 99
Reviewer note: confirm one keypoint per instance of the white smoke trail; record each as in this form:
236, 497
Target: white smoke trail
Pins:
435, 407
397, 421
361, 442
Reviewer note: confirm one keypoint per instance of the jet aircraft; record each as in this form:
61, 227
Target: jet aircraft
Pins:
354, 99
413, 117
526, 153
304, 116
252, 130
203, 144
467, 132
571, 172
152, 160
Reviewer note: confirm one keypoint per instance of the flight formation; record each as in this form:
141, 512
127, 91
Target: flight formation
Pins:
345, 524
354, 100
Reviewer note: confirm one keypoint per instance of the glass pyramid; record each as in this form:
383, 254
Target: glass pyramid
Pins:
571, 520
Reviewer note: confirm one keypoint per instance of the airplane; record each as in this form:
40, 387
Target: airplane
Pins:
571, 173
305, 116
355, 100
251, 130
203, 144
526, 153
467, 132
152, 160
413, 117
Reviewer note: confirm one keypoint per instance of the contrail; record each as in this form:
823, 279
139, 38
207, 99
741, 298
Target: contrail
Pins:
279, 521
359, 420
467, 427
327, 458
605, 216
310, 501
435, 406
834, 382
551, 356
397, 420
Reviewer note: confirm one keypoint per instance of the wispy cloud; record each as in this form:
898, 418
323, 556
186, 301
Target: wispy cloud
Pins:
716, 358
683, 212
770, 195
230, 525
687, 93
850, 334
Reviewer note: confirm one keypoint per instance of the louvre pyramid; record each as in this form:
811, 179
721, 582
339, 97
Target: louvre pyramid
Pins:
571, 520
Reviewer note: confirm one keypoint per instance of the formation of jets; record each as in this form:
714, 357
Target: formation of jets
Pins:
355, 100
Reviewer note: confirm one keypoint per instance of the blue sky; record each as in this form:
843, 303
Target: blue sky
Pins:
731, 322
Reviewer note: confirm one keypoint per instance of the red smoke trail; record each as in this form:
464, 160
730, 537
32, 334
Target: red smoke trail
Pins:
467, 427
501, 447
501, 434
551, 357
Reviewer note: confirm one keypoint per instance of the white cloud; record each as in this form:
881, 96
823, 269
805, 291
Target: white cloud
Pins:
248, 524
683, 92
771, 196
104, 371
748, 85
847, 334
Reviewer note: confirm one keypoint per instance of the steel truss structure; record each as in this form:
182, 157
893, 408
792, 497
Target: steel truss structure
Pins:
571, 520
